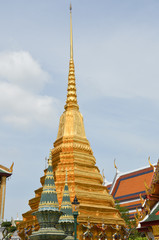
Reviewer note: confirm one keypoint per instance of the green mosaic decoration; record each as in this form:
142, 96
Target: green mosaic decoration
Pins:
67, 220
66, 206
48, 213
48, 199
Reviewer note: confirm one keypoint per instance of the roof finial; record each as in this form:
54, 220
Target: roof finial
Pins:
70, 7
11, 168
151, 164
115, 164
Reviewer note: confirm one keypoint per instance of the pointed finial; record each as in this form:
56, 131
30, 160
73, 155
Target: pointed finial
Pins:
115, 164
151, 163
70, 7
11, 168
50, 158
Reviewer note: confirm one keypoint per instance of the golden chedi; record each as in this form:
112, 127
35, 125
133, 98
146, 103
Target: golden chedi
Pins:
72, 152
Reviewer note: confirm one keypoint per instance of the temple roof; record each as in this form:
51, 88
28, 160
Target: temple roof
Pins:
66, 205
4, 171
131, 184
48, 199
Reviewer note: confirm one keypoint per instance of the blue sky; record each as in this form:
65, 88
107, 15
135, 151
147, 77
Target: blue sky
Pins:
116, 54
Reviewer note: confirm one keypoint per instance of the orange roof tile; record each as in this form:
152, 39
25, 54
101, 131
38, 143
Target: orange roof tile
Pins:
126, 188
134, 184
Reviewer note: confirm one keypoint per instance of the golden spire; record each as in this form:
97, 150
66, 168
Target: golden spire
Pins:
71, 36
71, 102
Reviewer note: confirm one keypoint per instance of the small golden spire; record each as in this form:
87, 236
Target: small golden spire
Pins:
71, 101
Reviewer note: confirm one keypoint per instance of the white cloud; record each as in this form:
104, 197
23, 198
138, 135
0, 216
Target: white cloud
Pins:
19, 105
21, 69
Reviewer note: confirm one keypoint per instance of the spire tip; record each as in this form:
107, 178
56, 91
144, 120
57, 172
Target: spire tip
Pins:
70, 7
